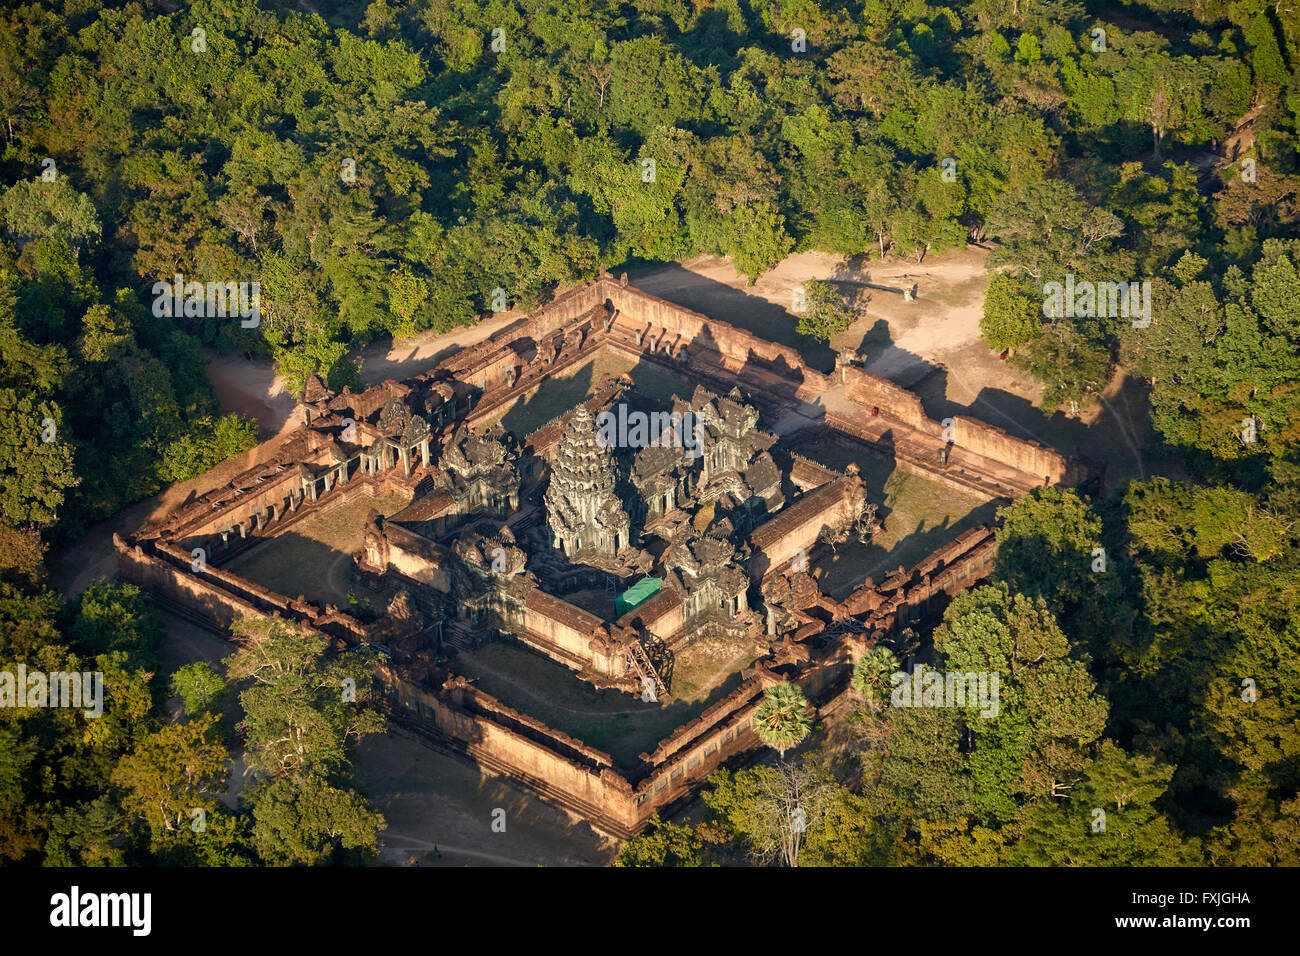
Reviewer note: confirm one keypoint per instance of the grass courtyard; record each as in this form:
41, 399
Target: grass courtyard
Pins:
609, 720
314, 557
561, 393
919, 516
707, 663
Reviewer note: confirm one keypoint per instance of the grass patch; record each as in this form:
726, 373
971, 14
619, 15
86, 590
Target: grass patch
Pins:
314, 559
708, 662
560, 393
920, 515
619, 724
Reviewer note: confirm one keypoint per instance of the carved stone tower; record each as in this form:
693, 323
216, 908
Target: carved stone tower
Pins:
582, 507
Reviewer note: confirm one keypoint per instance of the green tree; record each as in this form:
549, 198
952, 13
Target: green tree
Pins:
301, 710
24, 365
1109, 819
1266, 58
224, 839
825, 315
770, 811
872, 672
34, 472
172, 773
1263, 832
34, 209
87, 834
1048, 708
663, 844
781, 719
115, 618
918, 771
199, 686
407, 293
1223, 362
304, 820
1048, 547
206, 444
1012, 314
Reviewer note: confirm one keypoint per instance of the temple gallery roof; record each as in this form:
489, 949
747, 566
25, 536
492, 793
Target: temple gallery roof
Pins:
693, 560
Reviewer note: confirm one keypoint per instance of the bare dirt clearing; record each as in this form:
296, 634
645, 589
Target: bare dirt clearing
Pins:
931, 345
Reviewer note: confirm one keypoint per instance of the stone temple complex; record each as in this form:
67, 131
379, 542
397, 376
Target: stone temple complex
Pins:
654, 549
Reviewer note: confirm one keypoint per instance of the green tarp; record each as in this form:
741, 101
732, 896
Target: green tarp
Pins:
636, 594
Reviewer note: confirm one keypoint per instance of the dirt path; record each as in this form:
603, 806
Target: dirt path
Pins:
387, 851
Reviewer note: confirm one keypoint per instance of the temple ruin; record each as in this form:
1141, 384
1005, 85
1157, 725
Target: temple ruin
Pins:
610, 561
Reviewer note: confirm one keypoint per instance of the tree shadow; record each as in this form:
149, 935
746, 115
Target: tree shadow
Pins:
1120, 435
853, 279
656, 386
1120, 439
711, 42
879, 355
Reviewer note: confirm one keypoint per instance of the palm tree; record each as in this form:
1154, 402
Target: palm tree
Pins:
782, 720
871, 673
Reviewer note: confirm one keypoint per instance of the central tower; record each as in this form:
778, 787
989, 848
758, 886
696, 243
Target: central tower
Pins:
582, 508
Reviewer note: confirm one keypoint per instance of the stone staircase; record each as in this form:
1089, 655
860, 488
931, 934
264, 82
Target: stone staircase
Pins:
462, 635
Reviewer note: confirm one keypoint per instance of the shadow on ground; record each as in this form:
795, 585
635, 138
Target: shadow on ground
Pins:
1120, 434
738, 308
618, 723
842, 570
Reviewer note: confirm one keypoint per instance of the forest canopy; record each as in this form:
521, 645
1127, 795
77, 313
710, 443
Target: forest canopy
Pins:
377, 170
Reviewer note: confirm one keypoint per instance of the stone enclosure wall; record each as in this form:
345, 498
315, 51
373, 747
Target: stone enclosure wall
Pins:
608, 313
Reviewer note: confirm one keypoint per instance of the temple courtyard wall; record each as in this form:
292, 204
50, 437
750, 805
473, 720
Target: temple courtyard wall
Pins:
609, 313
584, 780
479, 382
